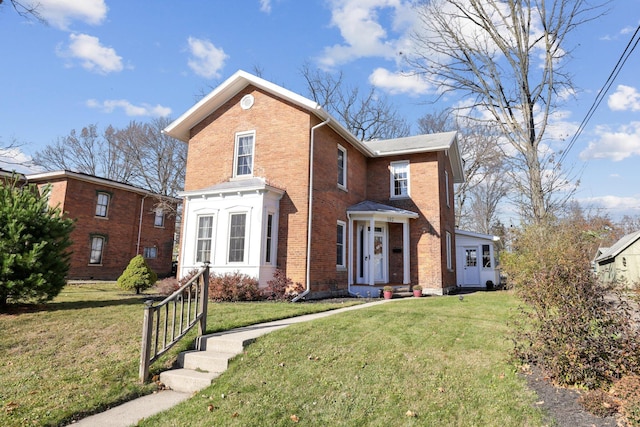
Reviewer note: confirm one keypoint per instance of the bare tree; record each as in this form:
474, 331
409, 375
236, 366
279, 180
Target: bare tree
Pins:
11, 155
483, 166
366, 115
27, 9
487, 51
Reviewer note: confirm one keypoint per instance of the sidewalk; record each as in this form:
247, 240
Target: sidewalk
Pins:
131, 412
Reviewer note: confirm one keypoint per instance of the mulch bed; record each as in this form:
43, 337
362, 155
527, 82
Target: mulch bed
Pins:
561, 404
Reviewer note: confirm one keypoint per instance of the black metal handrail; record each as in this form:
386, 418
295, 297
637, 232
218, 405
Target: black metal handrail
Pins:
166, 323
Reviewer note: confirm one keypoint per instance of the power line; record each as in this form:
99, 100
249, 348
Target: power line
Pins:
603, 91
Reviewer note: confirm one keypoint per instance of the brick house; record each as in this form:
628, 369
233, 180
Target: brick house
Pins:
382, 212
113, 223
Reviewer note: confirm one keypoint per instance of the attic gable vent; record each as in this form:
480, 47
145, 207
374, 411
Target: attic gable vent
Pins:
247, 102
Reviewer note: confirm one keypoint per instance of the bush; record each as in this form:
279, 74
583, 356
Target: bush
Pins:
281, 288
599, 403
627, 390
169, 285
137, 276
34, 242
568, 327
233, 287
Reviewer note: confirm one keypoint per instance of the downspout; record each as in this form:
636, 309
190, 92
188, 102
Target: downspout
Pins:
140, 224
310, 213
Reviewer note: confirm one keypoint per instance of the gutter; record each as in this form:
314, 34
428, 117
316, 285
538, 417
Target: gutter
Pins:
140, 225
310, 213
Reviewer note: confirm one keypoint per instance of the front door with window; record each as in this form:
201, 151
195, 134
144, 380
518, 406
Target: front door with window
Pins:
378, 256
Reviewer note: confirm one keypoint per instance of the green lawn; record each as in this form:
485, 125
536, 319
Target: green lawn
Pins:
430, 361
79, 354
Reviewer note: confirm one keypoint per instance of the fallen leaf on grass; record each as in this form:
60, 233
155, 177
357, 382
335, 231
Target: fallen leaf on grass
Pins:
411, 414
294, 418
210, 408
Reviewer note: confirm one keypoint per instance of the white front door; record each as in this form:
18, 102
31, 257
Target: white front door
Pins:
471, 267
378, 256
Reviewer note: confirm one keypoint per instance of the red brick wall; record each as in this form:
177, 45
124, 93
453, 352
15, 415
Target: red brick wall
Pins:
78, 201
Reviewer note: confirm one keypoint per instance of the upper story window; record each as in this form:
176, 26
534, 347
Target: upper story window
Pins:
237, 228
446, 187
399, 179
158, 220
342, 167
243, 160
102, 205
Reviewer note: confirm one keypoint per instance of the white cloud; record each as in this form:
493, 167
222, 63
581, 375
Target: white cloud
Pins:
108, 106
625, 98
615, 203
14, 159
92, 55
207, 60
60, 13
615, 145
265, 6
362, 32
398, 83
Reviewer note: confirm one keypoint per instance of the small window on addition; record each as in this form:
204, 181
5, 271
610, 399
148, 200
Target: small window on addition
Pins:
150, 252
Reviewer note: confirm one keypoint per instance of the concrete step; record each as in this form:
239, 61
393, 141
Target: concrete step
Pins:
225, 345
187, 380
210, 361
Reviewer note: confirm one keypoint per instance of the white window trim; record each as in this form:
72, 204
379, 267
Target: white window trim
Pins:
235, 153
270, 246
449, 259
212, 238
392, 181
247, 234
104, 241
106, 207
446, 191
158, 213
343, 186
147, 250
344, 245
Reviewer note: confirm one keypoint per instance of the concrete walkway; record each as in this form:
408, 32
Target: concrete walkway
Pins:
130, 413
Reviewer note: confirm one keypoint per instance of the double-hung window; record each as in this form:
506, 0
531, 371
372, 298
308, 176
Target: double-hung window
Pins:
342, 167
237, 229
150, 252
158, 220
269, 240
204, 241
243, 160
399, 179
97, 247
340, 244
102, 205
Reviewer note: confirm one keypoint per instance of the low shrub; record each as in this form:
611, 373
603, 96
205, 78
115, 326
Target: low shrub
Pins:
627, 390
138, 276
281, 288
233, 287
169, 285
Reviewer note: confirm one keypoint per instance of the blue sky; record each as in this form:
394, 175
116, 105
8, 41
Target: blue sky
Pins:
112, 61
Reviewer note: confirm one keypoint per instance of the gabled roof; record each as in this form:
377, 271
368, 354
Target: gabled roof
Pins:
617, 247
181, 127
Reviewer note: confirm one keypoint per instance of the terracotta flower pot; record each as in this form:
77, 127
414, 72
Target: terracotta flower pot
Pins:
388, 294
417, 293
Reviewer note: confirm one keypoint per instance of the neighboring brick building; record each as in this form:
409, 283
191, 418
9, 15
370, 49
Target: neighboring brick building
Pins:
382, 211
113, 223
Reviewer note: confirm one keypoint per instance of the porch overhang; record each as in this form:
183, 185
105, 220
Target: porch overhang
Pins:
372, 212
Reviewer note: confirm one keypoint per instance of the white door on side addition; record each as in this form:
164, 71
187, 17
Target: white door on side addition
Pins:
471, 267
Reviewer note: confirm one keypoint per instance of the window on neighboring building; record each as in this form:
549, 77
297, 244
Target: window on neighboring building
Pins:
399, 179
102, 205
158, 220
205, 238
486, 256
150, 252
342, 167
340, 244
269, 239
237, 227
449, 259
97, 248
624, 261
446, 187
244, 154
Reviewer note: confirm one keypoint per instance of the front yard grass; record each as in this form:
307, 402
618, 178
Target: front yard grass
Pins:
79, 354
427, 362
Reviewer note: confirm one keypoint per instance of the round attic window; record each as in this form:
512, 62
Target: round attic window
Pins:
247, 102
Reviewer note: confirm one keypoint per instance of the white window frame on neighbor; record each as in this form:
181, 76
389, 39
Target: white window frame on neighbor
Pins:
449, 259
398, 167
446, 191
150, 252
236, 155
245, 239
102, 209
95, 249
342, 176
344, 244
158, 219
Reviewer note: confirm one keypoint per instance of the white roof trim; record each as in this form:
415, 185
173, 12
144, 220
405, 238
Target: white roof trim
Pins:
477, 235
